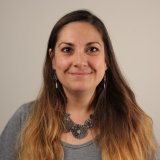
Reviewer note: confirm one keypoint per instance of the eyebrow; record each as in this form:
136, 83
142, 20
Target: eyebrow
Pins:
90, 43
71, 44
67, 43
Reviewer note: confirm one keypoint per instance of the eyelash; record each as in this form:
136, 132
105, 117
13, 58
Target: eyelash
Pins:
67, 49
88, 50
92, 49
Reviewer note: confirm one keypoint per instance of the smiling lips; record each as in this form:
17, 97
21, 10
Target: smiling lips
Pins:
80, 73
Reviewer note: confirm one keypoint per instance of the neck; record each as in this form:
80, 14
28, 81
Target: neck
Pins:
79, 103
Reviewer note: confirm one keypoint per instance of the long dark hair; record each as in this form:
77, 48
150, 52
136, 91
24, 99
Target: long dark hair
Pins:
125, 129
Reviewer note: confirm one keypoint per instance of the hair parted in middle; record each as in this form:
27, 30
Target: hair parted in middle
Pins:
125, 129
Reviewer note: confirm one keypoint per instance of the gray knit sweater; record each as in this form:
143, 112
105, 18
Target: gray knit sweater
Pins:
9, 138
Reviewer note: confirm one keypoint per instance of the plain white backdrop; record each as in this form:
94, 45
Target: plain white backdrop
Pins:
134, 28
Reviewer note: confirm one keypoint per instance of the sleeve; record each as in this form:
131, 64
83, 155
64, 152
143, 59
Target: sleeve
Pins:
157, 149
157, 156
9, 136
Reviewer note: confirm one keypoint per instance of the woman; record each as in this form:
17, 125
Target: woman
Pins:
85, 109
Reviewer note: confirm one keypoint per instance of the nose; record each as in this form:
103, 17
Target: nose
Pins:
80, 59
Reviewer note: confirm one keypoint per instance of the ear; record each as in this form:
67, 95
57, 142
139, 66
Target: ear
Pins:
106, 65
106, 68
51, 55
50, 51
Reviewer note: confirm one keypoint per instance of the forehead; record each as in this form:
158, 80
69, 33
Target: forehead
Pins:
79, 31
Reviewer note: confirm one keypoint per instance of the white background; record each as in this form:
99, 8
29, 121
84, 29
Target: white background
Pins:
25, 25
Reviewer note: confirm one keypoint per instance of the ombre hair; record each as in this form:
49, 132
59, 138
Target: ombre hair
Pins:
125, 129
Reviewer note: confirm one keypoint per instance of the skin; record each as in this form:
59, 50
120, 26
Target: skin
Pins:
79, 62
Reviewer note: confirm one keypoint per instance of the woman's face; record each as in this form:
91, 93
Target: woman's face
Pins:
79, 58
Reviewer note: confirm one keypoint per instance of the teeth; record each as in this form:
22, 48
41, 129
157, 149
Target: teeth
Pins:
80, 73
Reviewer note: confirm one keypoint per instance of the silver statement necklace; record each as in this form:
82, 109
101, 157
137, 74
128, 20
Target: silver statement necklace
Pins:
78, 131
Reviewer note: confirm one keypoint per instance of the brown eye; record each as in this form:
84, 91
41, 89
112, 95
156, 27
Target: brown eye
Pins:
67, 49
92, 49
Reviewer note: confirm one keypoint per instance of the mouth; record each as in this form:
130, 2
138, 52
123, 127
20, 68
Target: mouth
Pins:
80, 73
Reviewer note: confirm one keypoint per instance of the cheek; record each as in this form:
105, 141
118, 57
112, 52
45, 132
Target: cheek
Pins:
99, 64
60, 64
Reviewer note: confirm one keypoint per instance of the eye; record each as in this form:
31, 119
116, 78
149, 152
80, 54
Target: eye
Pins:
67, 49
92, 50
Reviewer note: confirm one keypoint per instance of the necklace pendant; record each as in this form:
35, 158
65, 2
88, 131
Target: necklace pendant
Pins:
79, 131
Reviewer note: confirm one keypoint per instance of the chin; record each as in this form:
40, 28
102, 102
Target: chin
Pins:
79, 87
82, 89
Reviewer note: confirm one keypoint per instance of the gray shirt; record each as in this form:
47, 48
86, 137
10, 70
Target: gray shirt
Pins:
86, 151
9, 137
